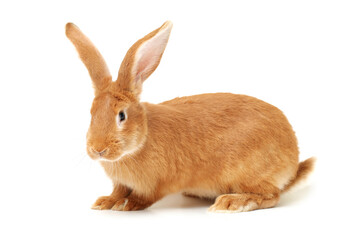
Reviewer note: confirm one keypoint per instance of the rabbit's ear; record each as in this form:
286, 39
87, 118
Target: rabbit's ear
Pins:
90, 56
142, 59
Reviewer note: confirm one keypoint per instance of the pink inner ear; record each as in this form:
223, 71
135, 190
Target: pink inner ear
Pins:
149, 54
147, 60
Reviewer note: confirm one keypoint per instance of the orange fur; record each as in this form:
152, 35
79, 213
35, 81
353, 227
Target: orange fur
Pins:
304, 169
235, 148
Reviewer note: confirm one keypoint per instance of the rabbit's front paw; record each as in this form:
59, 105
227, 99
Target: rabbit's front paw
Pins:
105, 202
130, 204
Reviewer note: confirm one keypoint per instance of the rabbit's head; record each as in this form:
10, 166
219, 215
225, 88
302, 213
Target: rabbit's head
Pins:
119, 124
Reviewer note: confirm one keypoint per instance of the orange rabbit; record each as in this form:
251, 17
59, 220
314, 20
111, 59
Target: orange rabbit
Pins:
235, 149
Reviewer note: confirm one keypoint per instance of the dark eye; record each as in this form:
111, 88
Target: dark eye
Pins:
121, 116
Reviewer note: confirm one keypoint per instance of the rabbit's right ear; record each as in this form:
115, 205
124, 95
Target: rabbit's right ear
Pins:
142, 59
90, 56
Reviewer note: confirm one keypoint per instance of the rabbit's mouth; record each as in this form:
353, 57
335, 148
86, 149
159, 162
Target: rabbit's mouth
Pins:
104, 154
120, 158
108, 156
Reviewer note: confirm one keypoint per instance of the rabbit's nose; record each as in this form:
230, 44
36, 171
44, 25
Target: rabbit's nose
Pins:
101, 152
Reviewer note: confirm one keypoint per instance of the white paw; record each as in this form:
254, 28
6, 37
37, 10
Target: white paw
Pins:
248, 207
120, 205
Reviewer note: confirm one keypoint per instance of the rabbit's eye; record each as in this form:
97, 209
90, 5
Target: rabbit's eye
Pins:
121, 116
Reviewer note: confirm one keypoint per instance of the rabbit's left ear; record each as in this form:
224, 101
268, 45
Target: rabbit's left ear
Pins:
142, 59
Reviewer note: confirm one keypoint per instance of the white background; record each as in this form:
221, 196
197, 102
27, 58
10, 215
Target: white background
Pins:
301, 56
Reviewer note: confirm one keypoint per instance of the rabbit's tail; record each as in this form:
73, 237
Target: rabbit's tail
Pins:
304, 170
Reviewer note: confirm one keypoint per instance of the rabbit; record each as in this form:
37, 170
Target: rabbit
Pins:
235, 150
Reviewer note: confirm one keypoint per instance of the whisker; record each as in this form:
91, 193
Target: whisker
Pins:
78, 160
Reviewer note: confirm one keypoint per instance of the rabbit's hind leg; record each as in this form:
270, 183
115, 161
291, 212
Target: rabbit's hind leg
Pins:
246, 201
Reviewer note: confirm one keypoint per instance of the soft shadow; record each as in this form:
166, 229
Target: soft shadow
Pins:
180, 201
291, 198
115, 214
